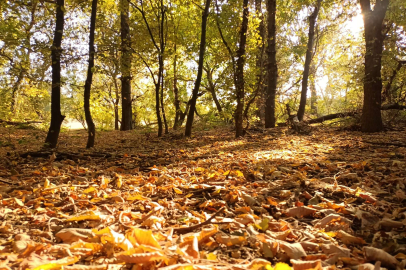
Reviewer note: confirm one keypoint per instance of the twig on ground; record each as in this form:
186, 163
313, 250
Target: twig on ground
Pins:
194, 227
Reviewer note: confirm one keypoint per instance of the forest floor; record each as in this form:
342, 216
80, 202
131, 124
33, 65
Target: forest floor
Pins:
269, 200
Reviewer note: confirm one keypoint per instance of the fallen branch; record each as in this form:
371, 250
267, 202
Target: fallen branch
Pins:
6, 182
347, 114
19, 123
194, 227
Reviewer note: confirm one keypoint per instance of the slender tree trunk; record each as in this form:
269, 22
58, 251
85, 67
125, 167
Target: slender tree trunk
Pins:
126, 101
313, 98
176, 90
309, 55
162, 106
270, 118
162, 46
371, 120
116, 103
14, 90
212, 89
239, 87
91, 129
189, 121
56, 117
157, 100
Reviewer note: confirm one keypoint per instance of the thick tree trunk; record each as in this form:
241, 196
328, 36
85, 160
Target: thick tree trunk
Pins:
239, 87
309, 55
270, 118
371, 120
260, 87
126, 101
91, 129
56, 117
202, 49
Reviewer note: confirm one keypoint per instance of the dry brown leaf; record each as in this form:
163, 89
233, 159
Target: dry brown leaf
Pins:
349, 239
336, 250
71, 235
374, 254
138, 258
388, 224
301, 211
305, 265
230, 240
333, 221
294, 251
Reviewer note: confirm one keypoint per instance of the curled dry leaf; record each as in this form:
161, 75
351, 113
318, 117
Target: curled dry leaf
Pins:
294, 251
142, 237
71, 235
349, 239
388, 224
304, 265
86, 267
336, 250
333, 220
375, 254
230, 240
57, 264
301, 211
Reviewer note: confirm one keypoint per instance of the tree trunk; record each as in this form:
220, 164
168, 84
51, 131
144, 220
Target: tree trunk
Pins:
387, 90
91, 129
313, 98
212, 89
157, 89
178, 111
260, 87
189, 121
126, 101
270, 118
162, 45
56, 116
371, 120
309, 55
239, 87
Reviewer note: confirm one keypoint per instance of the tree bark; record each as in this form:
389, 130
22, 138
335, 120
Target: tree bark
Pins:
239, 87
313, 96
202, 49
178, 111
371, 119
387, 90
212, 89
260, 87
91, 129
126, 101
270, 118
162, 46
56, 116
309, 55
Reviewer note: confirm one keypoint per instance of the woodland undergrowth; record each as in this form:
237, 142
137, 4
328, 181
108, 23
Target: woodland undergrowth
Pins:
273, 199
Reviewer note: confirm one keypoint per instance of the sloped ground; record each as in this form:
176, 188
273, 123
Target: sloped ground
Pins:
330, 199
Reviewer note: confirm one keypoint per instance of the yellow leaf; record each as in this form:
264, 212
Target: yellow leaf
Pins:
282, 266
239, 173
199, 169
110, 236
87, 216
211, 257
142, 237
57, 264
89, 190
136, 198
178, 191
46, 183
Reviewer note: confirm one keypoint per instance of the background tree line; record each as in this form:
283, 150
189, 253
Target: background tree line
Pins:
127, 63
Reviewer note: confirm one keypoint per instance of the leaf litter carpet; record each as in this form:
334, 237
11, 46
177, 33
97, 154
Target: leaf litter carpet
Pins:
271, 200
